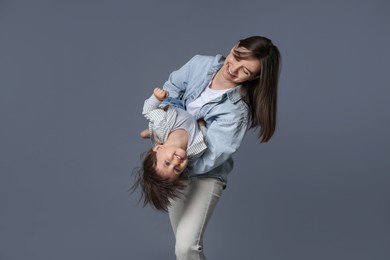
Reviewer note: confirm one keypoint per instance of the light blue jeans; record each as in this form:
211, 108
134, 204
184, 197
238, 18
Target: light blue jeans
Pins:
190, 214
174, 102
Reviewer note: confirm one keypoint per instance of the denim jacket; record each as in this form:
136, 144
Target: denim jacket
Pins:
226, 117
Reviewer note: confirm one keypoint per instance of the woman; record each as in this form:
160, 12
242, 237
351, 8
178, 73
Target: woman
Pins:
231, 95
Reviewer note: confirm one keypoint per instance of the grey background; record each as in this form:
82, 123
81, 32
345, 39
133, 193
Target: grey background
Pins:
73, 77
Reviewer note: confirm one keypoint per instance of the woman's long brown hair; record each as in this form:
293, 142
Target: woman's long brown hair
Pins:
261, 93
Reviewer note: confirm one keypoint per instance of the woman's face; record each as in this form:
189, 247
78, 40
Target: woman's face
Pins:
238, 70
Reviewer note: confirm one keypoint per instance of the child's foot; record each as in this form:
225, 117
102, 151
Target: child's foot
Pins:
145, 133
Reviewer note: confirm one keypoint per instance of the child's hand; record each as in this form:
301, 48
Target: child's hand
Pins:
160, 94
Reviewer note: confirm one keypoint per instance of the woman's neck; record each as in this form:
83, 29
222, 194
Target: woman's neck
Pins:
219, 82
178, 138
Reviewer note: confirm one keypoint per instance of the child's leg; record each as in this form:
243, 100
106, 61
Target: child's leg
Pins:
145, 133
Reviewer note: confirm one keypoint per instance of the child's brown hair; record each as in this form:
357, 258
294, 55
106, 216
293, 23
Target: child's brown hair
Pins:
156, 190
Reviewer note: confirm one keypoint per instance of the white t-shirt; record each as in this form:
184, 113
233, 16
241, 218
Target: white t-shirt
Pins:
207, 95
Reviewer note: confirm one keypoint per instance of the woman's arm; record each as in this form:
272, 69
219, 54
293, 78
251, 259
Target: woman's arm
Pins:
178, 80
223, 140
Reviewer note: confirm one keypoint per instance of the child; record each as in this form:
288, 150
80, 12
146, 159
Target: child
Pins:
176, 139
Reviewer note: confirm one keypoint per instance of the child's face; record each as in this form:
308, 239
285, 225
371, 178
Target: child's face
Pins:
171, 161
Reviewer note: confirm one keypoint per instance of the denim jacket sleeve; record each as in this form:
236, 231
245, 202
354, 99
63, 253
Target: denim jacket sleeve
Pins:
177, 81
223, 138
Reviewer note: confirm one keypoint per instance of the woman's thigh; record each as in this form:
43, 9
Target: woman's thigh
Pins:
190, 214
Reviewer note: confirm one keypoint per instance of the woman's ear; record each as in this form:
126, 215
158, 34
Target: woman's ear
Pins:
158, 147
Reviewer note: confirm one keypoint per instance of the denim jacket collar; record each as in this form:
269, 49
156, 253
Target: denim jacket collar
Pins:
234, 95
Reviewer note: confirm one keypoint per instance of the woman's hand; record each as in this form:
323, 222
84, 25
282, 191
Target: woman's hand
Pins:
160, 94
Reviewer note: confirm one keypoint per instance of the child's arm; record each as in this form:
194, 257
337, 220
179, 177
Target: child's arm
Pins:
150, 104
154, 101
